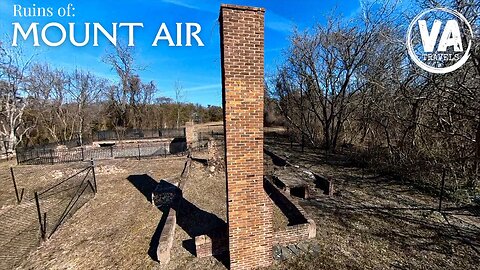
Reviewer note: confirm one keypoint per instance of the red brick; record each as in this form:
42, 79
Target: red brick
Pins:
249, 211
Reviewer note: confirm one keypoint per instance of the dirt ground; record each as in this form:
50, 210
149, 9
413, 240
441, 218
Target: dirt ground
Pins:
115, 228
376, 222
371, 222
119, 227
207, 193
19, 222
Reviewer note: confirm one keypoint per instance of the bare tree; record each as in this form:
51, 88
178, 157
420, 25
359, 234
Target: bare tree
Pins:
13, 95
461, 91
48, 89
85, 89
178, 100
357, 82
321, 75
128, 99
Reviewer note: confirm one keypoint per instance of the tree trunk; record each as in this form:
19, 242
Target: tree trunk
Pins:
477, 159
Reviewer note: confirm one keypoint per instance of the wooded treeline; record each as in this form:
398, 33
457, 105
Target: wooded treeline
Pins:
42, 104
353, 83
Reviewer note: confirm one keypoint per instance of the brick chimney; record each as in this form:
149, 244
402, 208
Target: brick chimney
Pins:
249, 209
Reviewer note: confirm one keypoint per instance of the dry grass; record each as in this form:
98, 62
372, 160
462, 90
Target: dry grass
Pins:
114, 229
378, 222
205, 194
371, 222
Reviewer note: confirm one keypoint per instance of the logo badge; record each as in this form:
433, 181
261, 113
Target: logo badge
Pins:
439, 40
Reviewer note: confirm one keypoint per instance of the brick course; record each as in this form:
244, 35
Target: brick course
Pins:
304, 227
205, 246
249, 210
165, 242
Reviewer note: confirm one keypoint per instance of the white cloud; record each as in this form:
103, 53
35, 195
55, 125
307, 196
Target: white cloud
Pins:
191, 5
212, 87
278, 23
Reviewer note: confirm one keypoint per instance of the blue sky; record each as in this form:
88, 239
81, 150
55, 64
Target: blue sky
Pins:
196, 68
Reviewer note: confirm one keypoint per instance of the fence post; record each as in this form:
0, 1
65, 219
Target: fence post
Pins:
92, 163
165, 149
441, 191
138, 145
51, 156
42, 230
111, 151
19, 198
83, 158
45, 225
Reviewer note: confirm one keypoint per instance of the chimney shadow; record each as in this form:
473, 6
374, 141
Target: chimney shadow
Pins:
155, 240
196, 222
193, 220
144, 183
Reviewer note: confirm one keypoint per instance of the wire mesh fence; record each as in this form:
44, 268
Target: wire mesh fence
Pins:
45, 199
61, 200
138, 151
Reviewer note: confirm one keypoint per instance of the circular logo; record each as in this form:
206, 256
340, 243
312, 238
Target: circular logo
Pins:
439, 40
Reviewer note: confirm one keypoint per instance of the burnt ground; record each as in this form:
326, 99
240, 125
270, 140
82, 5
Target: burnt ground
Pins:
372, 221
376, 221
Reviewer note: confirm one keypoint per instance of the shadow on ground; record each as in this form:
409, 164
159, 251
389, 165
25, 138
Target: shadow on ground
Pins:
377, 219
193, 220
144, 183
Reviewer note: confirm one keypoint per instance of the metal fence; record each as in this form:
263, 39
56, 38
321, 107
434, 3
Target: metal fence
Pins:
106, 135
138, 151
112, 135
61, 200
203, 137
215, 134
